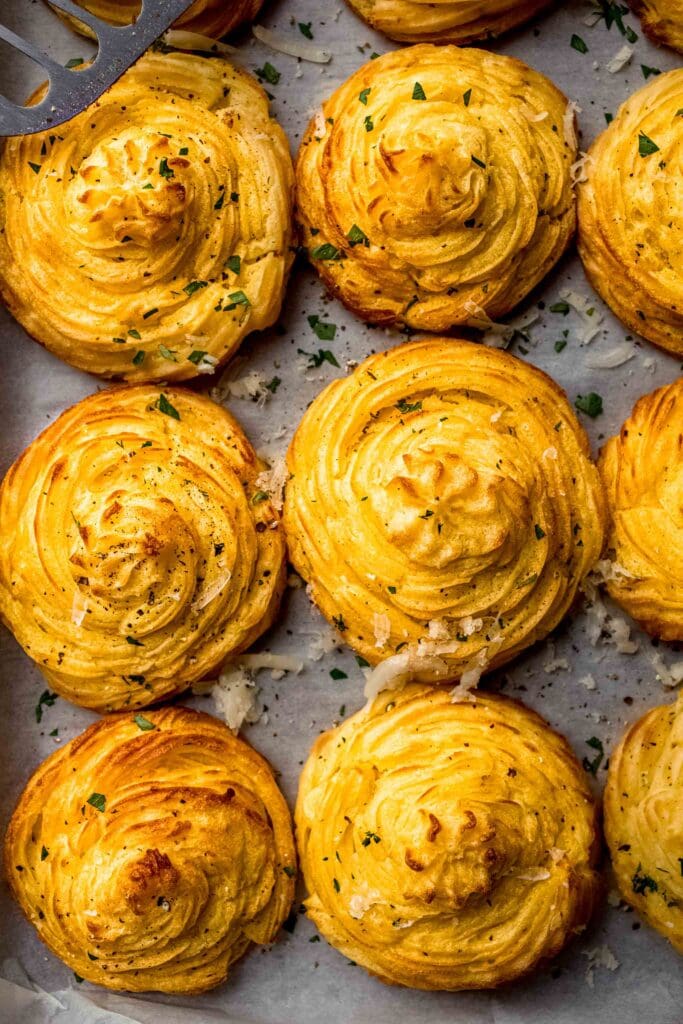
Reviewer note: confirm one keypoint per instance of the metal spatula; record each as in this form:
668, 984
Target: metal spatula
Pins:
70, 91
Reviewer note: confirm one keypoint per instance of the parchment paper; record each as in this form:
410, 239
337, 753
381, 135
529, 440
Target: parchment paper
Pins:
301, 979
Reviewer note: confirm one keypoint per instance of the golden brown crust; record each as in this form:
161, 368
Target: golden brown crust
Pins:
449, 21
434, 186
442, 502
158, 231
208, 17
662, 20
446, 846
152, 851
629, 231
643, 800
642, 470
137, 548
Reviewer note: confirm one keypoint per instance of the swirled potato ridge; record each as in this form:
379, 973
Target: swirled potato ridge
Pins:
446, 21
643, 801
435, 187
151, 851
642, 469
446, 846
442, 500
208, 17
631, 216
136, 549
148, 236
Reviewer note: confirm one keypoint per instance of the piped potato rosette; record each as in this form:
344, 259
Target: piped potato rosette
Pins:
662, 20
148, 236
442, 506
137, 547
642, 469
434, 187
643, 808
446, 846
213, 18
152, 851
631, 215
446, 21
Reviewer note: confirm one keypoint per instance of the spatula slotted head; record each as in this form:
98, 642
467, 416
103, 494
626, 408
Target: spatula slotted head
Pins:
70, 90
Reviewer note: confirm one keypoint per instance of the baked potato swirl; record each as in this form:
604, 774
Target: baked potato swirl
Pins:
208, 17
643, 801
151, 851
642, 470
630, 221
157, 235
435, 186
446, 21
662, 20
446, 846
137, 550
442, 501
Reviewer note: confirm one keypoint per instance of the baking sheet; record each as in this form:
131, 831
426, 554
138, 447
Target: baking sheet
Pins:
301, 979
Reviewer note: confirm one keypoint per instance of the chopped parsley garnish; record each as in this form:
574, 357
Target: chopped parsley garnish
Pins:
338, 621
139, 358
336, 885
357, 237
164, 170
560, 345
166, 353
560, 307
132, 333
75, 62
316, 359
234, 263
305, 29
478, 162
134, 642
591, 404
369, 125
592, 766
196, 356
259, 496
98, 801
194, 286
163, 405
268, 74
363, 97
143, 723
404, 406
539, 531
237, 299
370, 837
649, 72
646, 147
218, 205
36, 168
324, 331
578, 44
336, 673
466, 97
46, 700
273, 385
642, 884
418, 92
44, 853
362, 662
326, 251
149, 313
